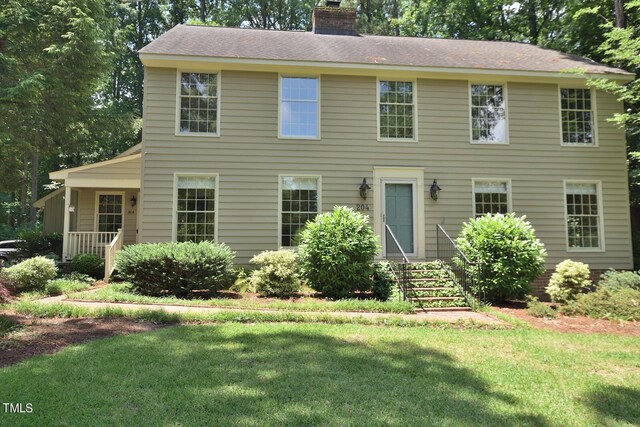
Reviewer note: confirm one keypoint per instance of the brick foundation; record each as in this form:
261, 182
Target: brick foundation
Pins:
538, 285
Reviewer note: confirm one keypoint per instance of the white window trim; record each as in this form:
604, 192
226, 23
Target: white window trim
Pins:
598, 184
415, 109
179, 72
174, 204
97, 206
473, 192
505, 96
594, 117
295, 175
318, 116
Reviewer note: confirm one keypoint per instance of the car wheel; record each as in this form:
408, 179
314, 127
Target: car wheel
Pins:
3, 262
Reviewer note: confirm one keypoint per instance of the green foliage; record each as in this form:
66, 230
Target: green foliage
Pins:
30, 274
89, 264
37, 243
64, 286
508, 251
7, 325
276, 274
613, 280
175, 268
336, 252
623, 304
78, 277
570, 279
383, 281
540, 309
241, 283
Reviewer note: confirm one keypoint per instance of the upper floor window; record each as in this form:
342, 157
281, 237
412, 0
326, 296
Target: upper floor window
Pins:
490, 196
195, 208
198, 103
300, 202
299, 107
577, 117
396, 110
488, 114
584, 217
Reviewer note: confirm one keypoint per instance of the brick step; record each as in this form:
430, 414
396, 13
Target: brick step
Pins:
426, 309
427, 279
423, 271
436, 298
432, 288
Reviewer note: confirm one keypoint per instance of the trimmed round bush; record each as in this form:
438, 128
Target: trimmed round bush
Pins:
570, 279
30, 274
509, 253
175, 268
89, 264
383, 281
276, 273
613, 280
336, 252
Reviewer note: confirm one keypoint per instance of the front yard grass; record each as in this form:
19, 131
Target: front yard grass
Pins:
314, 374
120, 292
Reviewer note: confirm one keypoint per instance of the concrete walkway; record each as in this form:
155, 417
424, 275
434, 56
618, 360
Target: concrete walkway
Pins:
428, 316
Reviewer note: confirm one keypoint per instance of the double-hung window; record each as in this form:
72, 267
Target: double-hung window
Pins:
488, 114
490, 196
300, 202
396, 110
584, 216
195, 208
109, 212
577, 117
299, 107
198, 103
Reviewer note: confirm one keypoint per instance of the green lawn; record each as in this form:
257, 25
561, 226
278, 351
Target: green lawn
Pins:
313, 374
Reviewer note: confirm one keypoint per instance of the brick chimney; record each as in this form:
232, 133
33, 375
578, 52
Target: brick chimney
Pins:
333, 19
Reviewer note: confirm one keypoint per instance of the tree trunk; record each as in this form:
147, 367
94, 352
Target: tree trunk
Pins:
35, 167
621, 21
532, 18
203, 10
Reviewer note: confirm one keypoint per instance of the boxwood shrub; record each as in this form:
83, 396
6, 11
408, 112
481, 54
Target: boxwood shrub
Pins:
277, 273
336, 252
510, 254
383, 281
30, 274
175, 268
90, 264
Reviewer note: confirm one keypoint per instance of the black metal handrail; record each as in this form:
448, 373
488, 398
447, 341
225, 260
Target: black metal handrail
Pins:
400, 262
465, 273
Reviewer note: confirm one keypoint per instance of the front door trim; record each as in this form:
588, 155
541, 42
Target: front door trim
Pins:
383, 174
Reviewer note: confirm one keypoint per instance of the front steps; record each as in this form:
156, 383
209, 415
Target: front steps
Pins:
430, 288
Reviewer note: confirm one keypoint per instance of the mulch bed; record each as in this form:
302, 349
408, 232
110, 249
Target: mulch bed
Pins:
572, 324
46, 336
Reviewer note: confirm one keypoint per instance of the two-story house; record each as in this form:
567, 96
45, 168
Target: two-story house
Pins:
250, 133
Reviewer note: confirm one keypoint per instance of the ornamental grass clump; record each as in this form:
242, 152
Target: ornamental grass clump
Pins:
508, 252
336, 253
570, 279
277, 273
175, 268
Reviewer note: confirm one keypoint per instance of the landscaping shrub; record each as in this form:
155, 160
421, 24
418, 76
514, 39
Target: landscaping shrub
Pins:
336, 252
78, 277
241, 283
569, 280
64, 286
508, 251
383, 281
175, 268
276, 273
37, 243
613, 280
623, 304
89, 264
540, 309
30, 274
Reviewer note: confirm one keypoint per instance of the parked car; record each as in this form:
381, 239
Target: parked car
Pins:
8, 252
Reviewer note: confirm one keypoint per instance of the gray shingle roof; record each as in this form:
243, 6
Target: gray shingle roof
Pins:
301, 46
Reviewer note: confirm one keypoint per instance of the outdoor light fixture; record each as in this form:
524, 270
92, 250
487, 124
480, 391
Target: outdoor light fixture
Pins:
364, 188
133, 201
435, 190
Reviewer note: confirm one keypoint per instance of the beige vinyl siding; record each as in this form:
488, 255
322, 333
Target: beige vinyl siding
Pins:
86, 211
129, 169
53, 217
248, 157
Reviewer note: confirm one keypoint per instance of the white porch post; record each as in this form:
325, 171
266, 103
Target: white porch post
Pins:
65, 232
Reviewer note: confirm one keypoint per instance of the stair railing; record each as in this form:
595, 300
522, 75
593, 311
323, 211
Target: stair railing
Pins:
465, 274
399, 262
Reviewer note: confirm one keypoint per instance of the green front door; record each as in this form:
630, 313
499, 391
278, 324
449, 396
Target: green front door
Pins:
398, 202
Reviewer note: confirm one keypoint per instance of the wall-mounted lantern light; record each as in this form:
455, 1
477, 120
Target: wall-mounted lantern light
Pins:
364, 188
133, 201
435, 190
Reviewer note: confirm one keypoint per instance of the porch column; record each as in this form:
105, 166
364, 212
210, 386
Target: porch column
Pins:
65, 231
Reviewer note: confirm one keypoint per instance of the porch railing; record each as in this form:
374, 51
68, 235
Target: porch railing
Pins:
88, 242
465, 274
110, 251
398, 260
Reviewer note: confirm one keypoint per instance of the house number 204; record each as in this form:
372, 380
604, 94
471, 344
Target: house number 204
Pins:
362, 207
